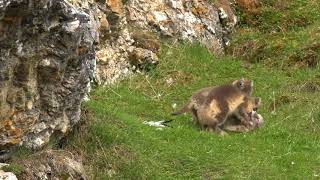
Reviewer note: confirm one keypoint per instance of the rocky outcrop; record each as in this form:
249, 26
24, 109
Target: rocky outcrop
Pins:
191, 20
186, 20
122, 50
47, 59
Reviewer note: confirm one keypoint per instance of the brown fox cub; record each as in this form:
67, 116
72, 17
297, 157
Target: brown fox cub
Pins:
200, 96
211, 106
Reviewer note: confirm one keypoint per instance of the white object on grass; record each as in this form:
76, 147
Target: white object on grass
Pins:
174, 105
159, 124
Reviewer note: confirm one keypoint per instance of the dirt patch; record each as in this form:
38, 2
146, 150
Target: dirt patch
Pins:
113, 159
281, 5
213, 173
279, 101
249, 6
122, 152
249, 11
251, 50
254, 51
179, 77
311, 86
146, 40
307, 57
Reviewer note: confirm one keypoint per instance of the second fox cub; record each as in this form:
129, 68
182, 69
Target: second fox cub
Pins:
256, 120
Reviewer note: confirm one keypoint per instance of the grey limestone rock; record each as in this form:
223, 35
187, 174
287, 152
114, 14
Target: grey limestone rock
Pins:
47, 60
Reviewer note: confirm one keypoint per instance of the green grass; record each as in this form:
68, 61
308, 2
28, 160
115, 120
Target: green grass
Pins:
14, 168
284, 33
116, 144
278, 49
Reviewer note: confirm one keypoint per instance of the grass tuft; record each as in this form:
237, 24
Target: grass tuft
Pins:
14, 168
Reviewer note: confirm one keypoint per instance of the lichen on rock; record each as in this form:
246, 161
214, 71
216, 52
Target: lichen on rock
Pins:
47, 59
124, 28
192, 20
118, 44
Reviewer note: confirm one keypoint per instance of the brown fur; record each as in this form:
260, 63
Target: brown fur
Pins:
200, 96
222, 102
218, 102
197, 98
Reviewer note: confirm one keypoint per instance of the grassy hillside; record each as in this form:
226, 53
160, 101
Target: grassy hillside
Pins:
283, 34
117, 144
278, 49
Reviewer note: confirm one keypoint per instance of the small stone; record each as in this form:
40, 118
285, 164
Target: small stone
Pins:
159, 16
222, 13
72, 26
143, 58
174, 105
29, 105
7, 176
45, 62
176, 4
169, 81
38, 142
3, 165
